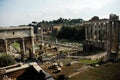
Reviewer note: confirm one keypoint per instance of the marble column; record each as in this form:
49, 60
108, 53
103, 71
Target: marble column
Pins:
6, 46
22, 46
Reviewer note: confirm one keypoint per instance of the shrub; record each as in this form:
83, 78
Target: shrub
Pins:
6, 60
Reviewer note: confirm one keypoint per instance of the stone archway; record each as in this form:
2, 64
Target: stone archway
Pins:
22, 35
14, 50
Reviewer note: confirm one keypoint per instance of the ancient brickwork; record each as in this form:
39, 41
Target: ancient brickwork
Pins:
22, 35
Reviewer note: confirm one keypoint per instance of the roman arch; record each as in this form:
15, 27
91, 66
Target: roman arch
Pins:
22, 35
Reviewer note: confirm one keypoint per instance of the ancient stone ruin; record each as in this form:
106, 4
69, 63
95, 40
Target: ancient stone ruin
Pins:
22, 35
104, 34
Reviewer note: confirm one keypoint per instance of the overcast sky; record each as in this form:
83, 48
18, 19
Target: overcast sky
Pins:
20, 12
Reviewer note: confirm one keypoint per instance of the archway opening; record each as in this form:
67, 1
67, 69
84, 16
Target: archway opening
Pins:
15, 50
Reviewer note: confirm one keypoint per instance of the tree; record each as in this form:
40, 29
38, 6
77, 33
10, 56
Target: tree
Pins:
95, 18
54, 32
80, 34
34, 22
72, 33
6, 60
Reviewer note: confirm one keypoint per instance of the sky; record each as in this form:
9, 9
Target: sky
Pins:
23, 12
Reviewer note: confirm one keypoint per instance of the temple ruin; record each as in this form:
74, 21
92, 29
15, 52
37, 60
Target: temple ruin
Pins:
104, 34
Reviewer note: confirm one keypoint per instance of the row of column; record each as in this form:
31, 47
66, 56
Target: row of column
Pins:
96, 31
107, 33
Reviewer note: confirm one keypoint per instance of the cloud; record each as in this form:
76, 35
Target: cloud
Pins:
16, 12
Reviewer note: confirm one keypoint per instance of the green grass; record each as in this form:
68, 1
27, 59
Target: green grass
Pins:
86, 61
108, 71
16, 46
